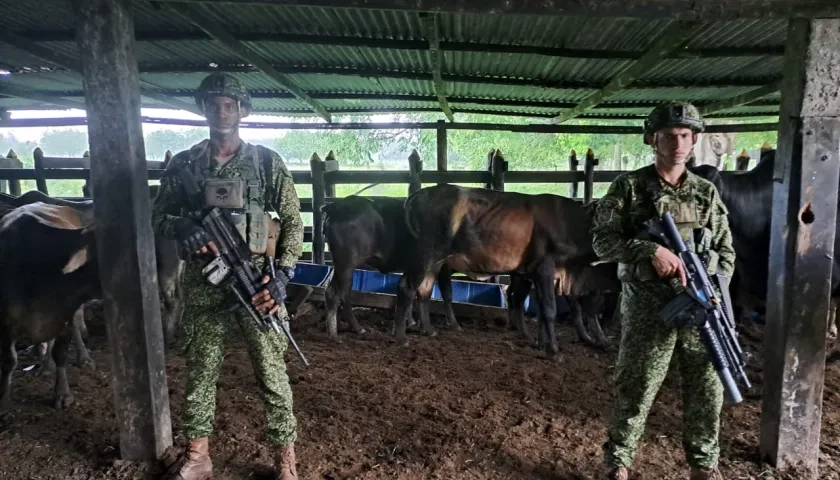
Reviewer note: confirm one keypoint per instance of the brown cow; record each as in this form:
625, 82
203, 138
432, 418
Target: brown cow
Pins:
485, 232
49, 270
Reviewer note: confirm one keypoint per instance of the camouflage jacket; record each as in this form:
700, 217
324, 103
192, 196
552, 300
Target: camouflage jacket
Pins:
620, 214
167, 204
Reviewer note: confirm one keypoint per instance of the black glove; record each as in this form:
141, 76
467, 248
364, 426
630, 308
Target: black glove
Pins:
191, 237
277, 286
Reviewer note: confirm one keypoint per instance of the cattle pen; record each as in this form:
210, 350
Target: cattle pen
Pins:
474, 404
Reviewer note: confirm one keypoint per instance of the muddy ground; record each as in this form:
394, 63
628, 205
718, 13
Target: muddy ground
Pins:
475, 405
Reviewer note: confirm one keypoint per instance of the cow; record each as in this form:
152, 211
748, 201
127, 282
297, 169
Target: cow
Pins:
170, 267
370, 232
748, 196
49, 270
710, 149
485, 232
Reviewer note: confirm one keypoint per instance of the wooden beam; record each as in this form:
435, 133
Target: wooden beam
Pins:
419, 45
125, 242
430, 27
742, 99
643, 9
72, 64
802, 239
217, 31
13, 91
671, 39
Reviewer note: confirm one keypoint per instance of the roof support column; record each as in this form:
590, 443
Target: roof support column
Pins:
802, 239
126, 247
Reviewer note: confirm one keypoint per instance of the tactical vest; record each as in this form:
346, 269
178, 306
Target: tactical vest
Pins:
246, 196
686, 215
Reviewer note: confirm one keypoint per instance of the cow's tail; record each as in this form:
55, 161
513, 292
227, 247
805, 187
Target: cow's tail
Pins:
409, 219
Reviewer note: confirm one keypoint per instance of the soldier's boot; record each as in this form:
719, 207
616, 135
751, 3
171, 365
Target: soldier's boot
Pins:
617, 473
284, 462
705, 474
195, 463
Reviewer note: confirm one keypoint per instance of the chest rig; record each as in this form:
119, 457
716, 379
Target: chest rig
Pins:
243, 192
687, 218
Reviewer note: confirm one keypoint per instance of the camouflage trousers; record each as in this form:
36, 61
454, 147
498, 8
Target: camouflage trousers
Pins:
647, 346
205, 327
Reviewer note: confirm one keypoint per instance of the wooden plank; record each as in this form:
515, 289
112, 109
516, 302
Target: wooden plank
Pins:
415, 167
802, 238
674, 36
442, 147
589, 164
318, 198
573, 166
432, 33
125, 242
644, 9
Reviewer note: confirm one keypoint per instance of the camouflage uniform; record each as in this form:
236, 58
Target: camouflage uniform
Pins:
647, 343
207, 321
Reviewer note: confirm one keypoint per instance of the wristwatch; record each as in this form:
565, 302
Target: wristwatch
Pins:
289, 272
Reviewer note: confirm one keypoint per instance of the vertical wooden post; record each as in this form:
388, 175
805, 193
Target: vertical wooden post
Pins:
330, 165
415, 167
318, 197
126, 246
573, 166
498, 167
766, 147
802, 235
167, 157
40, 179
12, 161
488, 165
742, 161
589, 174
86, 187
442, 147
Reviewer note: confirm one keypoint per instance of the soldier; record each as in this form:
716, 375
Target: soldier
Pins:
255, 179
651, 275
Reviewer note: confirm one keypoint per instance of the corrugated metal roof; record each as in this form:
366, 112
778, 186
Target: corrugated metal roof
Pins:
180, 65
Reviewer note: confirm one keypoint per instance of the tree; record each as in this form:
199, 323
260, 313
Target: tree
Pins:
159, 141
65, 143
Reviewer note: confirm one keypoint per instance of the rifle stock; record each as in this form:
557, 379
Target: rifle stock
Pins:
234, 266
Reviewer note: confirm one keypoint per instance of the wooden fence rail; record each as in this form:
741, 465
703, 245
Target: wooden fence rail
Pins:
324, 175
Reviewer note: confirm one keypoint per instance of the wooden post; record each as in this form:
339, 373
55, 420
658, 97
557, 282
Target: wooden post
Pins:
40, 179
415, 166
86, 187
318, 197
573, 166
589, 174
12, 161
742, 162
167, 157
330, 165
442, 147
766, 147
498, 167
802, 235
125, 242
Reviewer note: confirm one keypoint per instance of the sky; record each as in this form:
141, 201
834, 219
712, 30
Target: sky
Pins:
247, 134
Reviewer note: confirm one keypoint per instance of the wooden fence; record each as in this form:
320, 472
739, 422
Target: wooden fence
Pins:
325, 174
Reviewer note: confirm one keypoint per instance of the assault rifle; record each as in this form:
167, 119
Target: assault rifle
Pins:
233, 268
717, 327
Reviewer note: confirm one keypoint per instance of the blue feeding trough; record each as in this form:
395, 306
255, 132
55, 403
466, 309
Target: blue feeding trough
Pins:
563, 306
371, 281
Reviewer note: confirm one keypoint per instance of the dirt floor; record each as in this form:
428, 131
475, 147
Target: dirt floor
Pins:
475, 405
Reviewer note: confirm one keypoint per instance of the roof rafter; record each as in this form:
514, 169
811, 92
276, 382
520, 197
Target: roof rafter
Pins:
420, 45
223, 37
646, 9
14, 91
742, 99
430, 26
74, 65
672, 38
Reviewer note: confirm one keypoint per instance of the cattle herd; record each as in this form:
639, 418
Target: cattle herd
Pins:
48, 252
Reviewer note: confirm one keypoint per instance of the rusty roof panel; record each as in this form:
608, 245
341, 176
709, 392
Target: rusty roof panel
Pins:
676, 93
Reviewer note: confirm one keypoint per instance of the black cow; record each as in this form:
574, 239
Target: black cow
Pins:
371, 232
748, 196
49, 270
485, 232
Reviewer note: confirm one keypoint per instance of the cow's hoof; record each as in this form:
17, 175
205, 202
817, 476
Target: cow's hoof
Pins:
87, 363
555, 357
63, 401
335, 338
430, 333
361, 331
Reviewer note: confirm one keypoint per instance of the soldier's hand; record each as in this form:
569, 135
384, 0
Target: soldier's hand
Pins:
194, 239
268, 299
668, 265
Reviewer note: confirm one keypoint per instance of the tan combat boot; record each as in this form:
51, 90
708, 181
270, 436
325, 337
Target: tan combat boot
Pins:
705, 474
617, 473
284, 462
195, 464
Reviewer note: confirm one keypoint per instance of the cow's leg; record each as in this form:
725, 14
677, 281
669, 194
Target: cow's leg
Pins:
45, 357
83, 357
518, 290
544, 285
834, 354
331, 300
577, 303
591, 306
424, 296
445, 284
8, 362
406, 293
63, 397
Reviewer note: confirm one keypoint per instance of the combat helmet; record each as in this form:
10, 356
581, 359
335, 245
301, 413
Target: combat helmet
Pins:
222, 84
676, 114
